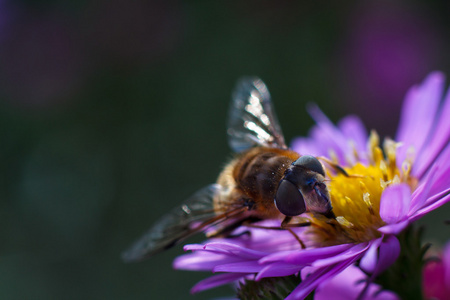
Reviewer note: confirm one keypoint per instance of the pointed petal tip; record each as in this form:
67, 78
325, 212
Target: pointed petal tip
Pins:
435, 75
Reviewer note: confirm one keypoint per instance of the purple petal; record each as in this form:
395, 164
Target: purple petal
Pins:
228, 249
388, 254
434, 190
381, 254
320, 138
194, 247
306, 146
442, 173
370, 259
306, 271
201, 262
420, 195
433, 186
437, 201
418, 114
215, 280
348, 285
239, 267
316, 278
331, 136
326, 137
440, 139
354, 130
395, 228
348, 254
278, 269
395, 203
306, 256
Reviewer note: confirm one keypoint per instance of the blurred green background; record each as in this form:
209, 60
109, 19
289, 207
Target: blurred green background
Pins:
112, 112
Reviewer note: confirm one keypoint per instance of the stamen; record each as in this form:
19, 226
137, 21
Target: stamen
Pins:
377, 155
363, 187
374, 139
390, 150
352, 156
384, 170
373, 143
406, 168
333, 156
411, 154
355, 152
356, 193
366, 198
384, 183
348, 200
396, 180
344, 222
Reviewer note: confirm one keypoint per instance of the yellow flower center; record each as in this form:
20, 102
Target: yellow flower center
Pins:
356, 198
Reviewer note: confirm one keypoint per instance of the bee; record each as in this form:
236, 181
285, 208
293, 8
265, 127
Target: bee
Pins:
265, 180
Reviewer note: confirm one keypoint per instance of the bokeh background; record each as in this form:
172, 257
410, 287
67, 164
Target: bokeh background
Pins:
113, 111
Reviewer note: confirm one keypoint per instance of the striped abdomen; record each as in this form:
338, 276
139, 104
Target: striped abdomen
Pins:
252, 180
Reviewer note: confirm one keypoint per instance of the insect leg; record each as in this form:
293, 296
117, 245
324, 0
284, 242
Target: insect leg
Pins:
264, 227
338, 168
285, 225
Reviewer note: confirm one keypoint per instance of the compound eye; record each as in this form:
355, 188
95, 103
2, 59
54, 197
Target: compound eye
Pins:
288, 200
311, 163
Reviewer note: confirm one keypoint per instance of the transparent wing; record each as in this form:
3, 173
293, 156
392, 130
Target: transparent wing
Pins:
195, 215
252, 120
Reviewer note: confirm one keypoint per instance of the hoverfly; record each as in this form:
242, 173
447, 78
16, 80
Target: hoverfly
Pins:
265, 180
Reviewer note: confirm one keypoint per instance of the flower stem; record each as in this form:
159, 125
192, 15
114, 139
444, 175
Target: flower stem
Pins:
405, 276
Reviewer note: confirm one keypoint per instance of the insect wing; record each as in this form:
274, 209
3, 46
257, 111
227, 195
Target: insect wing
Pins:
175, 226
252, 120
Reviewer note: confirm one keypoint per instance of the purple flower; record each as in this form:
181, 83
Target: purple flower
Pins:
436, 277
384, 194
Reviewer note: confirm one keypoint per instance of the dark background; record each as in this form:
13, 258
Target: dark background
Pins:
112, 112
